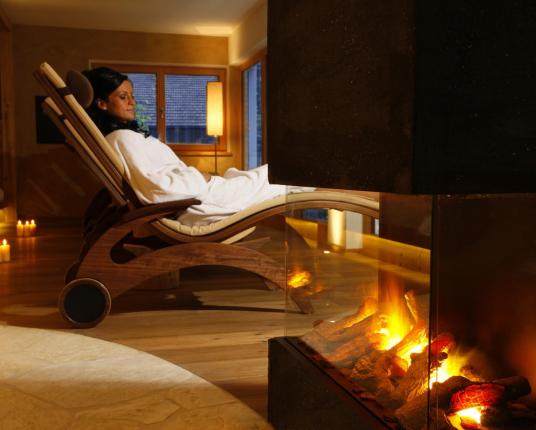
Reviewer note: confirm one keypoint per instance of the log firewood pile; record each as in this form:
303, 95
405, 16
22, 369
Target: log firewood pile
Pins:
405, 376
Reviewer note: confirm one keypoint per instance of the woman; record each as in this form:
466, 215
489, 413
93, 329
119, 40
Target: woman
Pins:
156, 173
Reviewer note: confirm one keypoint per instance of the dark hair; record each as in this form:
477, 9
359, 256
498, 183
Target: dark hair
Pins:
104, 82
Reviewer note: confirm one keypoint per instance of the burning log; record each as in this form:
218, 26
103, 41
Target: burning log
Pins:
398, 367
438, 420
340, 331
381, 371
347, 354
443, 343
487, 402
415, 381
416, 338
391, 361
417, 377
373, 334
521, 411
412, 416
515, 387
476, 400
359, 345
478, 395
372, 372
411, 303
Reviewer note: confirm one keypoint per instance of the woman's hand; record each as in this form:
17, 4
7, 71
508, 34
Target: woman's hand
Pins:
207, 176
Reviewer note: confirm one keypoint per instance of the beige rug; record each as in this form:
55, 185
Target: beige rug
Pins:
58, 380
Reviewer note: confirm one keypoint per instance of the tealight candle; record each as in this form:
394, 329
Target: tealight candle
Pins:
27, 228
20, 228
5, 254
33, 228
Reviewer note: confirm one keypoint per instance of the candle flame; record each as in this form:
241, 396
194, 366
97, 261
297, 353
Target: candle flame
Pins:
19, 222
27, 223
4, 242
32, 222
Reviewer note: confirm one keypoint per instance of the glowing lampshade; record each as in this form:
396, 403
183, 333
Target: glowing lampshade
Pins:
337, 228
214, 108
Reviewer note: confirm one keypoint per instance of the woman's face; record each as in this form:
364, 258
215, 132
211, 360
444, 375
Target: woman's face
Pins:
121, 103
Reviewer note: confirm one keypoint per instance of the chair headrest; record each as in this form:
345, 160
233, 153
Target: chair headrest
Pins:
80, 87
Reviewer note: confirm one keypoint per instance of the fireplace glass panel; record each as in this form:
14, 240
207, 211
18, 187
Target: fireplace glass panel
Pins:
363, 281
485, 295
423, 312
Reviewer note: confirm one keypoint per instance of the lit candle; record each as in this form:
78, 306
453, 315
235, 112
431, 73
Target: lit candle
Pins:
33, 228
27, 228
20, 228
5, 254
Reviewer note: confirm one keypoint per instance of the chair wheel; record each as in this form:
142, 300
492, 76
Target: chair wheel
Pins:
84, 302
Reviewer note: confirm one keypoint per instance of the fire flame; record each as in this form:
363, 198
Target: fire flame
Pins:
452, 366
401, 331
298, 278
448, 368
392, 335
387, 339
395, 325
416, 348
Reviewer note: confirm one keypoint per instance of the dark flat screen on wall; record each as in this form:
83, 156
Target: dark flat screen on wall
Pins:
46, 132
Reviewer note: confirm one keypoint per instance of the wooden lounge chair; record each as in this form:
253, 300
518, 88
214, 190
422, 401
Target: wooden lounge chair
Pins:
108, 266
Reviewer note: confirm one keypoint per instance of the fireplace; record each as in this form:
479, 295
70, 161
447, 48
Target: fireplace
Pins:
424, 317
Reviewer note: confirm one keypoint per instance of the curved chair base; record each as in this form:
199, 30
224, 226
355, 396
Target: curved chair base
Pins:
70, 274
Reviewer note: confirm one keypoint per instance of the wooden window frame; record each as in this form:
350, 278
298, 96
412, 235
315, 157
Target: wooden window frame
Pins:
160, 72
259, 57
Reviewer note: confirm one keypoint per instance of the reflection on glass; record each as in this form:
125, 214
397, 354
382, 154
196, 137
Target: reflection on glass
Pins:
451, 351
366, 282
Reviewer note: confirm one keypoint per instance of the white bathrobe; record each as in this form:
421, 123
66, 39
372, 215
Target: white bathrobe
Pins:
157, 175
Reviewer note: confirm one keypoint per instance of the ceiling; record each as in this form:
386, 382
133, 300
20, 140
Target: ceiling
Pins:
201, 17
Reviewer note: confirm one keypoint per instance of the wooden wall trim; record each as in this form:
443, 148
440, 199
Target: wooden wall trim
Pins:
259, 56
7, 129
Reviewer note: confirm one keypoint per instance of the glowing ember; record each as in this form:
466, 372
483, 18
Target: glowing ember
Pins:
472, 402
298, 279
443, 343
470, 417
479, 395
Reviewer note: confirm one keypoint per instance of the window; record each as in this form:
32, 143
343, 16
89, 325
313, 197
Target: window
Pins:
253, 74
171, 104
145, 93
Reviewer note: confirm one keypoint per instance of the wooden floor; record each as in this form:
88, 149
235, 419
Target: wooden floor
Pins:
215, 324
